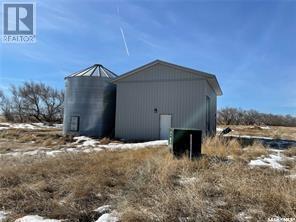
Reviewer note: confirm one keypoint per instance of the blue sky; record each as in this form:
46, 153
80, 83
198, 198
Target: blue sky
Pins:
250, 46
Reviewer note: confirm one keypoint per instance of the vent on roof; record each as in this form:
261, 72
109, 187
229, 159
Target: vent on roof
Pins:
95, 70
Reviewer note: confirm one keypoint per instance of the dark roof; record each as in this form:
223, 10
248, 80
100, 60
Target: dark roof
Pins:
210, 77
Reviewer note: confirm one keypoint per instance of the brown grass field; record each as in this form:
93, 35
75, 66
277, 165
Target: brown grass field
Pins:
27, 140
276, 132
146, 184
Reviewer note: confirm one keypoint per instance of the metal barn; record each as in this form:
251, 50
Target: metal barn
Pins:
160, 95
89, 107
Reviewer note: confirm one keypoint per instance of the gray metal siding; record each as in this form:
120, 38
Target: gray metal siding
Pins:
209, 91
170, 91
93, 100
160, 72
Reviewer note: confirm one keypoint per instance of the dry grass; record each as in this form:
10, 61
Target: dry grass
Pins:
291, 152
38, 136
254, 151
146, 185
276, 132
222, 190
290, 163
222, 147
27, 139
2, 119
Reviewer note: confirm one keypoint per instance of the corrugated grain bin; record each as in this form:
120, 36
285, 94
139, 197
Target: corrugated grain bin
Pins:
185, 142
90, 98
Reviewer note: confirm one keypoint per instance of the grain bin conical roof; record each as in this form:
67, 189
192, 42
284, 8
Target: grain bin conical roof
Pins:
97, 70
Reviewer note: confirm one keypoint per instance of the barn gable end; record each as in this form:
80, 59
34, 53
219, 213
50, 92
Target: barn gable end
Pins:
146, 94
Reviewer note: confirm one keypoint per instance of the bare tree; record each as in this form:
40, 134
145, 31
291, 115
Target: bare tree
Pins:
6, 107
31, 101
34, 102
17, 104
228, 116
233, 116
53, 101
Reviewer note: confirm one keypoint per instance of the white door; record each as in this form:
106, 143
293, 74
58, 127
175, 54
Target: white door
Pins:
165, 125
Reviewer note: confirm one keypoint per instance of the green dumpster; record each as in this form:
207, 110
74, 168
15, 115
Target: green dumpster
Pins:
185, 142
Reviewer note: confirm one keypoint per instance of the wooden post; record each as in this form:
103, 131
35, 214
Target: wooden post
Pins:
190, 155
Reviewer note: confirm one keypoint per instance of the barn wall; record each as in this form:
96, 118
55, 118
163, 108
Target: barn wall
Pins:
170, 91
209, 91
160, 72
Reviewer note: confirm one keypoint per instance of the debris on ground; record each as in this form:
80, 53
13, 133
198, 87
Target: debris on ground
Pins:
225, 131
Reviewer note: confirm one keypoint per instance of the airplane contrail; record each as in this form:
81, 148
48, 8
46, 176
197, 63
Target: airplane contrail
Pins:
122, 33
123, 38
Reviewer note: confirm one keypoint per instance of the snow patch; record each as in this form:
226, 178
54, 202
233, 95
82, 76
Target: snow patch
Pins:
243, 216
42, 125
249, 137
35, 218
292, 176
219, 130
275, 151
53, 152
271, 161
3, 215
4, 126
155, 143
258, 163
103, 209
108, 217
265, 127
85, 141
86, 145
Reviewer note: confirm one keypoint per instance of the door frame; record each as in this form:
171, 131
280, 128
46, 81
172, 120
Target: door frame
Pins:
208, 114
78, 123
159, 127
